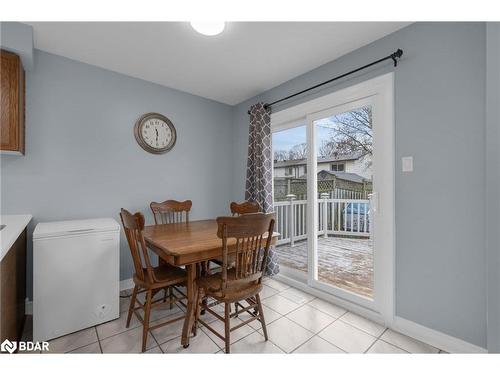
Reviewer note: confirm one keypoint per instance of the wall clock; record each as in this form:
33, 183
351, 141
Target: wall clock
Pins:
155, 133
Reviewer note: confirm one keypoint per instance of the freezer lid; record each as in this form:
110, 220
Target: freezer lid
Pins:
71, 227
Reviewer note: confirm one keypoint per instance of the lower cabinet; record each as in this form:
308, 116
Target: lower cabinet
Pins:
13, 290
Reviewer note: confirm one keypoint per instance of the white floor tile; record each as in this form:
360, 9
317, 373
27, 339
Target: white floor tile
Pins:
127, 342
275, 284
407, 343
267, 291
363, 324
200, 343
347, 337
280, 304
169, 331
311, 318
89, 349
287, 335
116, 326
269, 316
317, 345
296, 296
384, 347
164, 311
154, 350
124, 304
254, 343
73, 341
235, 335
327, 307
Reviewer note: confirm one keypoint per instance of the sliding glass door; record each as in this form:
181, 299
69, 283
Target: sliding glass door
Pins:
332, 158
342, 251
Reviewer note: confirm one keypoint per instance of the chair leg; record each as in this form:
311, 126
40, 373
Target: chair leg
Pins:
132, 305
145, 328
165, 294
227, 327
197, 312
171, 294
261, 316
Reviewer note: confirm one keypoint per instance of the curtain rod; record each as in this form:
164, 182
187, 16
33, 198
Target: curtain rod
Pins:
393, 56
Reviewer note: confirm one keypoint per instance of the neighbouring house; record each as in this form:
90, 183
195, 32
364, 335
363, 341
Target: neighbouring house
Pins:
358, 163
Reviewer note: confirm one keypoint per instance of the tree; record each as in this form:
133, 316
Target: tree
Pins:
280, 155
327, 149
350, 132
298, 152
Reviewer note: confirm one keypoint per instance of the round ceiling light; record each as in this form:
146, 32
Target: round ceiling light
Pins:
209, 28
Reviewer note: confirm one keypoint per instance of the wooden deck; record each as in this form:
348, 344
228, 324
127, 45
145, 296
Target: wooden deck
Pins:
344, 262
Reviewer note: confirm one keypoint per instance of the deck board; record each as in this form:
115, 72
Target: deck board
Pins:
344, 262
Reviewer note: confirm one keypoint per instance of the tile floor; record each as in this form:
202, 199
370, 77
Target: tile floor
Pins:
297, 323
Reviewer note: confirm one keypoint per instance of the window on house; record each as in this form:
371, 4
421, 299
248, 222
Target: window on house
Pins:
289, 171
337, 167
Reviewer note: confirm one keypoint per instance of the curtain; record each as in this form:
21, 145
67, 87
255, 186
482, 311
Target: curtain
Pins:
259, 186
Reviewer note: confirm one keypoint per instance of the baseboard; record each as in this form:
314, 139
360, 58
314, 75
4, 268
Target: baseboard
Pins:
124, 285
435, 338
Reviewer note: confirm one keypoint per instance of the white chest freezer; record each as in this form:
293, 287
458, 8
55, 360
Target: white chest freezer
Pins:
76, 280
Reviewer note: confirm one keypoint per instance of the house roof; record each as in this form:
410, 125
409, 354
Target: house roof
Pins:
288, 163
346, 176
353, 177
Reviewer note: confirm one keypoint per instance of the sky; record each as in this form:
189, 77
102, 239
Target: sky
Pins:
286, 139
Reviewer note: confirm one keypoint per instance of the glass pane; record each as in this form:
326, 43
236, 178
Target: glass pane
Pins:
344, 181
290, 196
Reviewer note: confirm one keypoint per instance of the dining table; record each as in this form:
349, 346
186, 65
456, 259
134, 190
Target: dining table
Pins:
189, 244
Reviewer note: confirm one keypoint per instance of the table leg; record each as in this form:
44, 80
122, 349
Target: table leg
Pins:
191, 297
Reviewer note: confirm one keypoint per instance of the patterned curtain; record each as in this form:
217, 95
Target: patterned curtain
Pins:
259, 187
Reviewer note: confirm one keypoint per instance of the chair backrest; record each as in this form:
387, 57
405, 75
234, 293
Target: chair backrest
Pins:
247, 207
133, 224
251, 248
171, 211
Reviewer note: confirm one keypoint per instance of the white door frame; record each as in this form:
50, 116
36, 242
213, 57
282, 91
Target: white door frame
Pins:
379, 92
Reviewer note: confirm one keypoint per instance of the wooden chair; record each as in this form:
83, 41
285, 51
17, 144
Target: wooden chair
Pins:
149, 279
171, 211
243, 281
237, 209
247, 207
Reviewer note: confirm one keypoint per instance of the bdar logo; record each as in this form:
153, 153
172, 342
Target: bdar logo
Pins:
8, 346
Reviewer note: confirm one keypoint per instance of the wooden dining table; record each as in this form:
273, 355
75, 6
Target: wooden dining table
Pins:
188, 244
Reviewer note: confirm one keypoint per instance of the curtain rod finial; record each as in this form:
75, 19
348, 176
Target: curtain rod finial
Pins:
396, 55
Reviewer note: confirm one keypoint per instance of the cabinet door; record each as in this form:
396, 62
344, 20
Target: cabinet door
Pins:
12, 103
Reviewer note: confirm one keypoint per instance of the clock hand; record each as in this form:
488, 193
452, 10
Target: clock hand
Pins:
156, 134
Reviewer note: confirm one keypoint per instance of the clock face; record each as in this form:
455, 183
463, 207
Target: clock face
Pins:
155, 133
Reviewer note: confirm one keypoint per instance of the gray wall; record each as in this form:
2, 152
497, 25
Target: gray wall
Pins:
493, 182
82, 160
17, 37
440, 207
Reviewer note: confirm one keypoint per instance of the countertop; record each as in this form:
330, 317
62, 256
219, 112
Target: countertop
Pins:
14, 226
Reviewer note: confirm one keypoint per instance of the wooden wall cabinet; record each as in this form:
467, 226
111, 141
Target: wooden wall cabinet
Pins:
12, 97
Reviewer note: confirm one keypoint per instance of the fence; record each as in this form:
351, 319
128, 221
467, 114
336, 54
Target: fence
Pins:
349, 217
336, 187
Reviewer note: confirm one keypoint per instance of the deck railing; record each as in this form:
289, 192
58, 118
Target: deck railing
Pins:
347, 217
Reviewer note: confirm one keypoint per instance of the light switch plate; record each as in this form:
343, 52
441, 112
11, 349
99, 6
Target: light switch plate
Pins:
407, 163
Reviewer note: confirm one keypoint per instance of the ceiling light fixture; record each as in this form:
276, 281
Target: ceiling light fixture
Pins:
209, 28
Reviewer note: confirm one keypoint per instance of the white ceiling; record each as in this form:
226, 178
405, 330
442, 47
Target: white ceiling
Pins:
247, 59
